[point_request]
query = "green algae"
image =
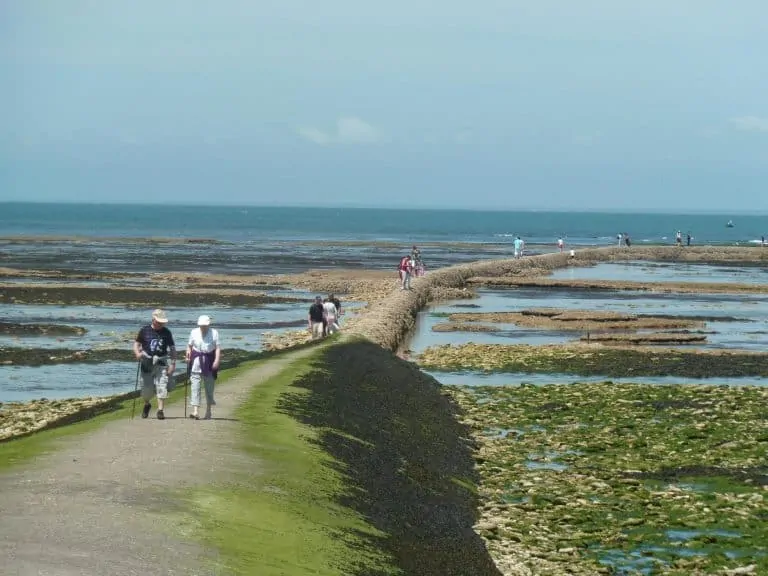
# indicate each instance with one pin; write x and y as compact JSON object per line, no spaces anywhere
{"x":650,"y":479}
{"x":585,"y":360}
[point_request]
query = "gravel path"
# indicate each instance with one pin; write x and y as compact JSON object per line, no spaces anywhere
{"x":98,"y":504}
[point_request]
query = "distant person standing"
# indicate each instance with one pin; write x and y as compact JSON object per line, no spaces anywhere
{"x":560,"y":244}
{"x":679,"y":238}
{"x":627,"y":240}
{"x":155,"y":349}
{"x":620,"y":238}
{"x":315,"y":318}
{"x":688,"y":239}
{"x":762,"y":240}
{"x":518,"y":246}
{"x":203,"y":359}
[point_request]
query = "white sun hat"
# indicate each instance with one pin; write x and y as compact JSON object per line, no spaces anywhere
{"x":204,"y":320}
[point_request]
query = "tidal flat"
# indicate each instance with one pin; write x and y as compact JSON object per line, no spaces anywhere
{"x":602,"y":478}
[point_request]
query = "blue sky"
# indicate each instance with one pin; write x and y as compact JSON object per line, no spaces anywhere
{"x":595,"y":104}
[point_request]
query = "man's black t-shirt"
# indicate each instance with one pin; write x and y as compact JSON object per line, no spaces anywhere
{"x":155,"y":342}
{"x":316,"y":312}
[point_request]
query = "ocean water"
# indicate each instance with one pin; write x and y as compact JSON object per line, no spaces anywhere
{"x":251,"y":223}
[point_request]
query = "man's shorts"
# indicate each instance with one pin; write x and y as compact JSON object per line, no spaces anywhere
{"x":155,"y":383}
{"x":317,"y":330}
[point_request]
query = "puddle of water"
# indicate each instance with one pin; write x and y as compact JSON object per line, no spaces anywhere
{"x":547,"y":460}
{"x":654,"y":272}
{"x":534,"y":465}
{"x":499,"y":433}
{"x":748,"y":332}
{"x":472,"y":378}
{"x":685,"y":535}
{"x":626,"y":563}
{"x":516,"y":499}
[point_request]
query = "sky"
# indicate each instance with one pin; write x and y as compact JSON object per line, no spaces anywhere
{"x":491,"y":104}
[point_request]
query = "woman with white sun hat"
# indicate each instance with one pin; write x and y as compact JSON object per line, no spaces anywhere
{"x":203,"y":361}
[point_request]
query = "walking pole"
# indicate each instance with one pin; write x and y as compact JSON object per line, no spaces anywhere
{"x":185,"y":390}
{"x":135,"y":389}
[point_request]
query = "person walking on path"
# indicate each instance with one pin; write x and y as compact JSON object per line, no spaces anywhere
{"x":315,"y":318}
{"x":560,"y":244}
{"x":339,"y":310}
{"x":679,"y":238}
{"x":688,"y":239}
{"x":203,"y":360}
{"x":418,"y":267}
{"x":409,"y":266}
{"x":518,"y":246}
{"x":329,"y":315}
{"x":155,"y":349}
{"x":402,"y":267}
{"x":627,"y":240}
{"x":620,"y":238}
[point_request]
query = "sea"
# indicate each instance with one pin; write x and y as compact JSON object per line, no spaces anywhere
{"x":253,"y":223}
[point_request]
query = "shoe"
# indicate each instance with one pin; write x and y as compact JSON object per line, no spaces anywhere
{"x":160,"y":415}
{"x":145,"y":411}
{"x":194,"y":417}
{"x":207,"y":414}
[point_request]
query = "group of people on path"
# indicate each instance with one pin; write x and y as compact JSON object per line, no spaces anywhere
{"x":679,"y":238}
{"x":324,"y":317}
{"x":155,"y":351}
{"x":410,"y":265}
{"x":624,"y":239}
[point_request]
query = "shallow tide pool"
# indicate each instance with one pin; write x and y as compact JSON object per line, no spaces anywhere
{"x":664,"y":272}
{"x":473,"y":378}
{"x":745,"y":324}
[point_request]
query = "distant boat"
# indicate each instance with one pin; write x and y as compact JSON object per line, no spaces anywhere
{"x":730,"y":224}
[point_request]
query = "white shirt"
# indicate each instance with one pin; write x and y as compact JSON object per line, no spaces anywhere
{"x":330,"y":309}
{"x":206,"y":344}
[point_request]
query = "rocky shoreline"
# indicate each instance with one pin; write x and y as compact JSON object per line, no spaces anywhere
{"x":19,"y":419}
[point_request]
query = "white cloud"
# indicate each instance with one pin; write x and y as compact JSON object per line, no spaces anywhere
{"x":349,"y":130}
{"x":750,"y":123}
{"x":314,"y":135}
{"x":355,"y":130}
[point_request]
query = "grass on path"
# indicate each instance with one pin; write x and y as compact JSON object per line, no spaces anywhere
{"x":282,"y":516}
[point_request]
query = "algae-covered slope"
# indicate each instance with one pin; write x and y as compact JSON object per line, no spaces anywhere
{"x":405,"y":459}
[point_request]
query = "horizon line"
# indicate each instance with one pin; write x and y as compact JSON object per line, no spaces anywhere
{"x":582,"y":210}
